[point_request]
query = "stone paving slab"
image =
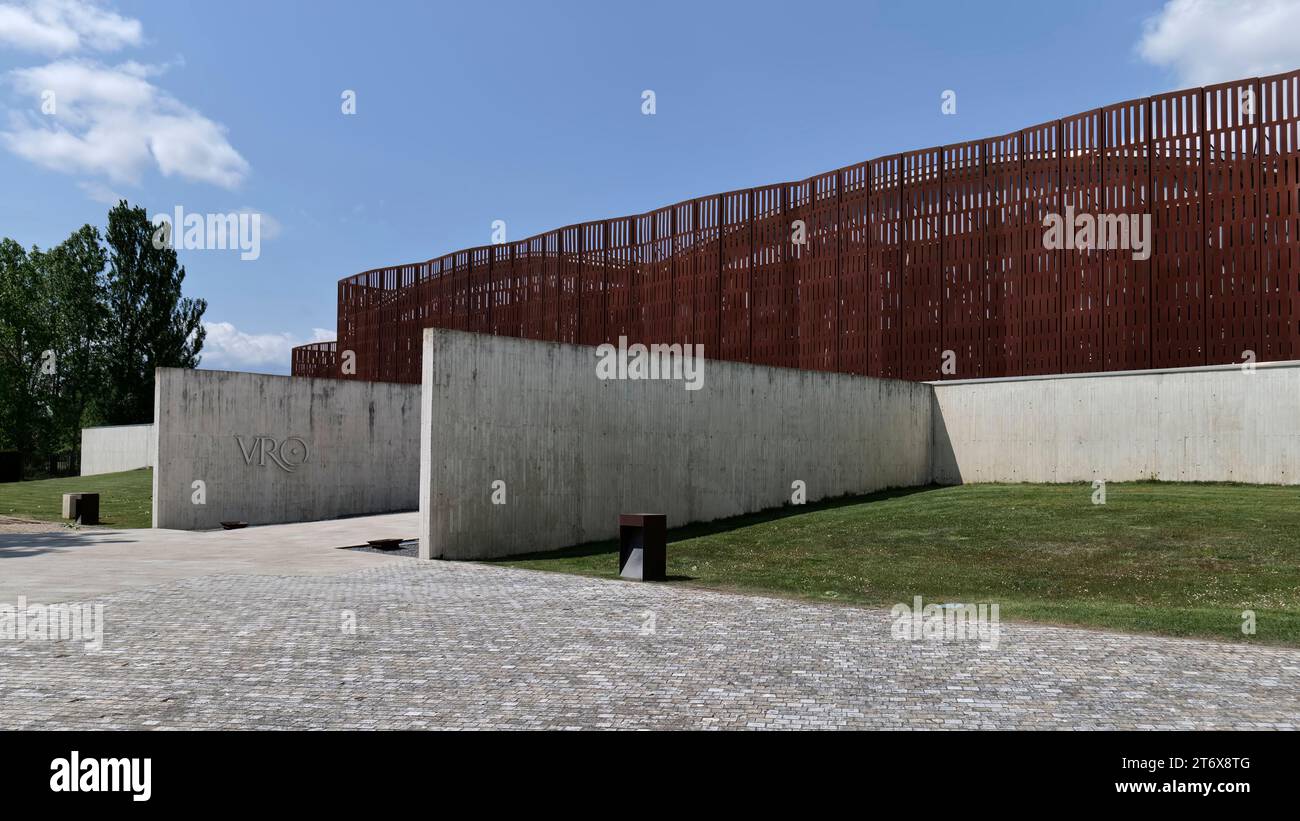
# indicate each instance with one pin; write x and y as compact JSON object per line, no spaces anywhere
{"x":67,"y":565}
{"x":467,"y":646}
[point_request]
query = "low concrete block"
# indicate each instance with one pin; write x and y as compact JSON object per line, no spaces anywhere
{"x":643,"y":546}
{"x":83,"y":507}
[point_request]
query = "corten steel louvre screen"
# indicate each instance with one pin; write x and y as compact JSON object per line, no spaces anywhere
{"x":898,"y":265}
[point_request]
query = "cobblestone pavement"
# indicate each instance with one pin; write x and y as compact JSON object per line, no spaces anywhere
{"x":455,"y":645}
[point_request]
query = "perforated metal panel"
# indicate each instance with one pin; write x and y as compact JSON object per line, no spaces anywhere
{"x":773,"y":293}
{"x":854,"y":279}
{"x":480,"y":289}
{"x":1178,"y":251}
{"x":796,"y":202}
{"x":570,"y":273}
{"x":620,"y":265}
{"x":1081,"y":288}
{"x":911,"y":255}
{"x":1231,"y":161}
{"x":506,"y":312}
{"x":458,"y":289}
{"x":1126,"y":274}
{"x":594,"y":315}
{"x":551,"y":307}
{"x":656,"y":292}
{"x":885,"y":339}
{"x":1040,"y":266}
{"x":963,"y":259}
{"x":1003,"y":229}
{"x":737,"y":242}
{"x":430,"y":296}
{"x":1279,"y":149}
{"x":682,"y":251}
{"x":920,"y":308}
{"x":817,"y":272}
{"x":316,"y":359}
{"x":708,"y":275}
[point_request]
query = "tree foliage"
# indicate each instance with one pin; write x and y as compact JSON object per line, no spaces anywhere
{"x":82,"y":326}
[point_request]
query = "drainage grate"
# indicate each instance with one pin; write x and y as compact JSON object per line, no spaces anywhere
{"x":404,"y":547}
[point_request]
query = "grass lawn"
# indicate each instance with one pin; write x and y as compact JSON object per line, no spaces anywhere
{"x":125,"y":499}
{"x":1176,"y":559}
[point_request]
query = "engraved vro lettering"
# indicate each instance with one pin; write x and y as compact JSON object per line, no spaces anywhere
{"x":288,"y":455}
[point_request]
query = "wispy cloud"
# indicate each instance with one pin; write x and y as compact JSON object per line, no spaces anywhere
{"x":228,"y":347}
{"x":111,"y":121}
{"x":1210,"y":41}
{"x":66,"y":26}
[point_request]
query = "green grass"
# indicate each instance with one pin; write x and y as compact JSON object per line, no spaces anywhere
{"x":125,"y":499}
{"x":1174,"y":559}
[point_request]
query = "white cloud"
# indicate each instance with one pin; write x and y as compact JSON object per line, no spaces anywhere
{"x":227,"y":347}
{"x":66,"y":26}
{"x":1211,"y":41}
{"x":113,"y":121}
{"x":100,"y":193}
{"x":271,"y":227}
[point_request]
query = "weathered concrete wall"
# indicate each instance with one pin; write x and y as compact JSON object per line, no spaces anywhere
{"x":115,"y":448}
{"x":281,"y":449}
{"x":1189,"y":425}
{"x":575,"y":451}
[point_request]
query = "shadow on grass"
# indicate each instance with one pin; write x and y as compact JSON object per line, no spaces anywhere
{"x":699,"y":529}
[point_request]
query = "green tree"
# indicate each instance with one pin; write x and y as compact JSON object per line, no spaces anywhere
{"x":74,"y":273}
{"x":51,"y":315}
{"x":149,"y":324}
{"x":24,"y":337}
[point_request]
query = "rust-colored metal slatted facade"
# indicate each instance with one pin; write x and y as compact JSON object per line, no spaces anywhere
{"x":922,"y":293}
{"x":592,"y":283}
{"x":318,"y":359}
{"x":903,"y":258}
{"x":817,"y":273}
{"x":886,"y":261}
{"x":458,"y":289}
{"x":1178,"y":247}
{"x":1231,"y":207}
{"x":1003,"y":218}
{"x":656,"y":298}
{"x":682,"y":252}
{"x":1279,"y":150}
{"x":772,"y":291}
{"x":707,"y":261}
{"x":1081,"y":292}
{"x":550,"y":269}
{"x":1040,"y":307}
{"x":620,"y":262}
{"x":507,"y":311}
{"x":569,"y":265}
{"x":480,"y":289}
{"x":1126,"y":279}
{"x":737,"y":230}
{"x":854,"y":264}
{"x":963,"y":259}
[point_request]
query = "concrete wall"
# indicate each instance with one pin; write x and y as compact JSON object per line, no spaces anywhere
{"x":1188,"y":425}
{"x":115,"y":448}
{"x":575,"y":451}
{"x":281,"y":449}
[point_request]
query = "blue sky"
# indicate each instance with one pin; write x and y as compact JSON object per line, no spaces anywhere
{"x":525,"y":112}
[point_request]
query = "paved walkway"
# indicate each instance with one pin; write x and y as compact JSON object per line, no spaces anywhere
{"x":68,"y":565}
{"x":395,"y":642}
